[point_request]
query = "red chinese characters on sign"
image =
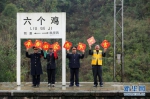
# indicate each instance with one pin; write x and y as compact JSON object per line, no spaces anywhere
{"x":105,"y":44}
{"x":81,"y":46}
{"x":91,"y":40}
{"x":67,"y":45}
{"x":28,"y":44}
{"x":56,"y":46}
{"x":38,"y":44}
{"x":46,"y":46}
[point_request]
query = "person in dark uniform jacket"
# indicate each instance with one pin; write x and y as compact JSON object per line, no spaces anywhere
{"x":51,"y":66}
{"x":96,"y":63}
{"x":36,"y":68}
{"x":74,"y":65}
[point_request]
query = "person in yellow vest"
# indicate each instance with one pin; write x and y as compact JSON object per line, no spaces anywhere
{"x":96,"y":63}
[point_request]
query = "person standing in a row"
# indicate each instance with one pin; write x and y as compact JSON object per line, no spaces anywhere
{"x":97,"y":55}
{"x":36,"y":68}
{"x":51,"y":66}
{"x":74,"y":65}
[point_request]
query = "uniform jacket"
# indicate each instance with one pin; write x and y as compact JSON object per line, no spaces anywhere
{"x":74,"y":60}
{"x":36,"y":68}
{"x":51,"y":61}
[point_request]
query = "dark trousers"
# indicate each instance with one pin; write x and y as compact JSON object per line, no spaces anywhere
{"x":97,"y":71}
{"x":36,"y":79}
{"x":74,"y":72}
{"x":51,"y":76}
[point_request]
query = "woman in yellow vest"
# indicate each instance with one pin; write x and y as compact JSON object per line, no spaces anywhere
{"x":96,"y":63}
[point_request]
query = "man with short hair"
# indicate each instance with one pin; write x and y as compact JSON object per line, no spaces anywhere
{"x":74,"y":65}
{"x":96,"y":63}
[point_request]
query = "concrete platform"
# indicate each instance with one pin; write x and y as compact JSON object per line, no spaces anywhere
{"x":85,"y":91}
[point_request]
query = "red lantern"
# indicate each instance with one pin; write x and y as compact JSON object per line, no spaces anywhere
{"x":81,"y":46}
{"x":105,"y":44}
{"x":56,"y":46}
{"x":67,"y":45}
{"x":28,"y":44}
{"x":38,"y":44}
{"x":46,"y":46}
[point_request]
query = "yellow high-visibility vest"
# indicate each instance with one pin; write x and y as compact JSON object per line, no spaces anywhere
{"x":97,"y":58}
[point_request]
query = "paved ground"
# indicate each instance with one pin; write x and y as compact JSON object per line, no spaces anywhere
{"x":86,"y":88}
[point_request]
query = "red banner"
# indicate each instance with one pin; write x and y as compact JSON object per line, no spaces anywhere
{"x":105,"y":44}
{"x":67,"y":45}
{"x":28,"y":44}
{"x":81,"y":46}
{"x":91,"y":40}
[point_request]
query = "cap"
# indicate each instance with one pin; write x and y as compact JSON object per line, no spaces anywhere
{"x":34,"y":47}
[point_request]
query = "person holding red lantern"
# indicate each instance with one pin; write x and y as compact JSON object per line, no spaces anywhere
{"x":74,"y":65}
{"x":36,"y":67}
{"x":51,"y":66}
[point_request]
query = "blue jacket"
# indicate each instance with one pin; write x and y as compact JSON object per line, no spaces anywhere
{"x":36,"y":68}
{"x":74,"y":60}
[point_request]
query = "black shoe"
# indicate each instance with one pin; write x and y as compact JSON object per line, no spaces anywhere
{"x":101,"y":85}
{"x":95,"y":86}
{"x":70,"y":85}
{"x":77,"y":85}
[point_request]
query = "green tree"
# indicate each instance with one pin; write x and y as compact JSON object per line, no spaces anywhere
{"x":10,"y":10}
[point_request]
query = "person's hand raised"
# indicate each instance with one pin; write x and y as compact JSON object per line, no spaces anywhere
{"x":105,"y":49}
